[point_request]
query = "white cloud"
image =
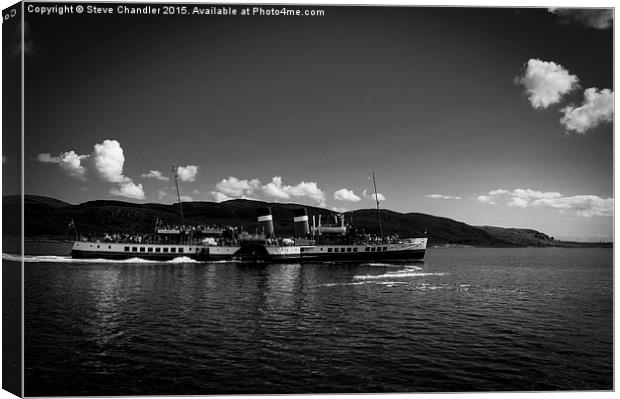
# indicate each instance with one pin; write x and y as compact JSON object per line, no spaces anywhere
{"x":186,"y":198}
{"x":546,"y":82}
{"x":129,"y":190}
{"x":155,"y":174}
{"x":518,"y":202}
{"x":233,"y":187}
{"x":220,"y":197}
{"x":161,"y":194}
{"x":69,"y":161}
{"x":339,"y":209}
{"x":583,"y":205}
{"x":486,"y":199}
{"x":442,"y":196}
{"x":601,"y":18}
{"x":109,"y":161}
{"x":499,"y":191}
{"x":187,"y":173}
{"x":597,"y":108}
{"x":346,"y":195}
{"x":276,"y":189}
{"x":371,"y":196}
{"x":46,"y":157}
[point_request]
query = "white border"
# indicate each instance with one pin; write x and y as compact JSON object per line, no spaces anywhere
{"x":480,"y":3}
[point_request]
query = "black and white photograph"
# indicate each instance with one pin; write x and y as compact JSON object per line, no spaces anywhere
{"x":306,"y":198}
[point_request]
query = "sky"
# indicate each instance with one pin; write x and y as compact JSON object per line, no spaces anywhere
{"x":490,"y":116}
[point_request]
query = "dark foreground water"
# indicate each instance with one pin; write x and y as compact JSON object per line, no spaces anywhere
{"x":465,"y":320}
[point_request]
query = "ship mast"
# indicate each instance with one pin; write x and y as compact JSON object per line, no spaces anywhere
{"x":374,"y":183}
{"x":174,"y":173}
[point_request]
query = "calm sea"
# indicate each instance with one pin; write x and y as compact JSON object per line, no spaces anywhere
{"x":464,"y":320}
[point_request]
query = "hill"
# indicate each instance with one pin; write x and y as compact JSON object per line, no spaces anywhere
{"x":48,"y":217}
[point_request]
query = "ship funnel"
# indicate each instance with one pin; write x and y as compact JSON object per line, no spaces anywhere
{"x":300,"y":219}
{"x":265,"y":221}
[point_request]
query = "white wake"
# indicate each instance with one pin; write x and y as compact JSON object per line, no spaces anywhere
{"x":68,"y":259}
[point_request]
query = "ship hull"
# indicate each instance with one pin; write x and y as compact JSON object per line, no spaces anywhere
{"x":393,"y":256}
{"x":413,"y":250}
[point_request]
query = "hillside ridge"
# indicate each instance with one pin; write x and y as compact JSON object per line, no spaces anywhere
{"x":49,"y":217}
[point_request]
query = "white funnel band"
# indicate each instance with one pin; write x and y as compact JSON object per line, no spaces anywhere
{"x":303,"y":218}
{"x":265,"y":218}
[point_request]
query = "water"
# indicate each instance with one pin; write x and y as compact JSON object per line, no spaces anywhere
{"x":465,"y":320}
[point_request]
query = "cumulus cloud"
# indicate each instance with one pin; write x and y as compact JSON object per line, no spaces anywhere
{"x":346,"y":195}
{"x":597,"y":18}
{"x":220,"y":197}
{"x":155,"y":174}
{"x":371,"y":196}
{"x":129,"y":190}
{"x":486,"y":199}
{"x":546,"y":82}
{"x":187,"y":173}
{"x":583,"y":205}
{"x":277,"y":189}
{"x":186,"y":198}
{"x":233,"y":187}
{"x":339,"y":209}
{"x":442,"y":196}
{"x":107,"y":160}
{"x":69,"y":161}
{"x":597,"y":108}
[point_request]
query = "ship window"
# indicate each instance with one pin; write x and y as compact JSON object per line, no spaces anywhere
{"x":385,"y":248}
{"x":341,"y":249}
{"x":355,"y":249}
{"x":134,"y":249}
{"x":157,"y":249}
{"x":173,"y":249}
{"x":109,"y":247}
{"x":181,"y":250}
{"x":349,"y":249}
{"x":150,"y":249}
{"x":126,"y":249}
{"x":165,"y":249}
{"x":98,"y":246}
{"x":142,"y":249}
{"x":328,"y":249}
{"x":367,"y":249}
